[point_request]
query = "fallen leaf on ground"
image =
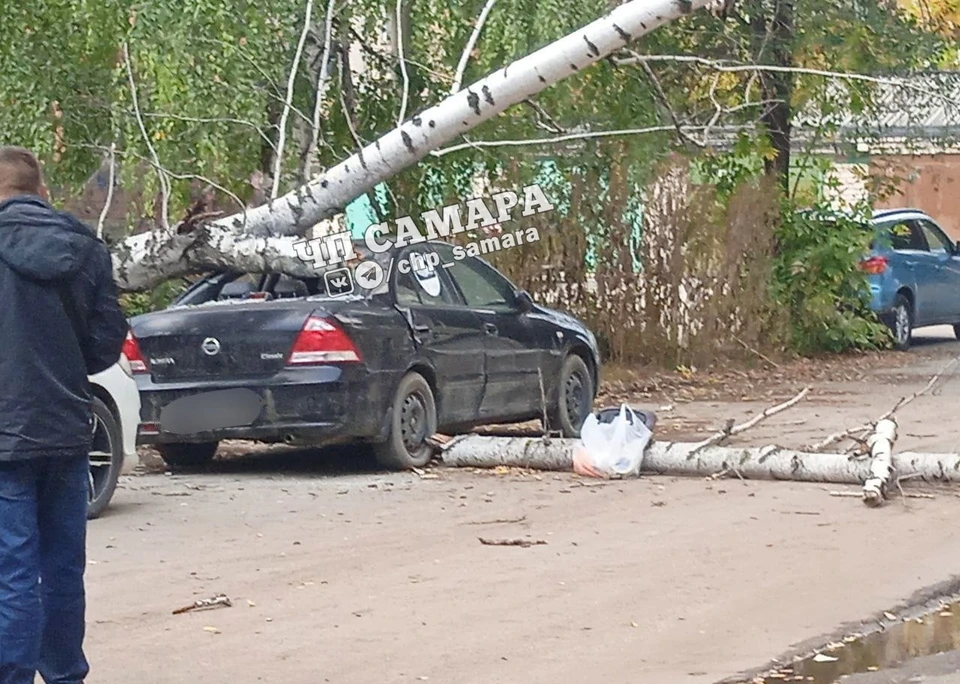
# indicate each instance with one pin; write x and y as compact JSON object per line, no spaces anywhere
{"x":212,"y":630}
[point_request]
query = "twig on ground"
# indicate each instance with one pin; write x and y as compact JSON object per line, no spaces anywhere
{"x":859,"y":433}
{"x":443,"y":442}
{"x":205,"y":604}
{"x":908,"y":495}
{"x":511,"y":542}
{"x":837,"y":436}
{"x":754,"y":351}
{"x":730,"y":430}
{"x":903,"y":496}
{"x":926,"y":388}
{"x":497,"y":521}
{"x":424,"y":475}
{"x":726,"y":471}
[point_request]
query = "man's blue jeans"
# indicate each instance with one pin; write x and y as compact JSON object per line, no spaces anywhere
{"x":43,"y":527}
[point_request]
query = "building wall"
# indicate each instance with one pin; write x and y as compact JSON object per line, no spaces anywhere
{"x":930,"y":183}
{"x":844,"y":185}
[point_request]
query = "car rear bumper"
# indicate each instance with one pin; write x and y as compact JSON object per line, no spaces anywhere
{"x":881,"y":299}
{"x":319,"y":405}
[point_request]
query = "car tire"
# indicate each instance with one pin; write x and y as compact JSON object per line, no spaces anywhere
{"x":106,"y":459}
{"x":188,"y":454}
{"x":575,"y":395}
{"x":413,"y":418}
{"x":901,"y":323}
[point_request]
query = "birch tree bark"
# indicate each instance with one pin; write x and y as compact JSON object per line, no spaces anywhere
{"x":684,"y":458}
{"x":326,"y":195}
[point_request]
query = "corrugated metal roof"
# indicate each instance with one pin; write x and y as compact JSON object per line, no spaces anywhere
{"x":921,"y":105}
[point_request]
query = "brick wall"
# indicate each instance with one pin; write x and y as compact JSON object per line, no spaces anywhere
{"x":930,"y":183}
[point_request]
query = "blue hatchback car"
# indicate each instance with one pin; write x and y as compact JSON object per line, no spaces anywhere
{"x":914,"y":273}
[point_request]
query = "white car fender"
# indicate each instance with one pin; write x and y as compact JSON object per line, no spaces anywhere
{"x":118,"y":383}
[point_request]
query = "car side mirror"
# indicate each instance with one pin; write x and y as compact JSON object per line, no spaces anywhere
{"x":524,"y":301}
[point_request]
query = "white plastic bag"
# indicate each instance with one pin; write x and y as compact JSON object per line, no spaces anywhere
{"x":614,"y":448}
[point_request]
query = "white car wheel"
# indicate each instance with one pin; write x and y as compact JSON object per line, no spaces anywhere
{"x":106,"y":459}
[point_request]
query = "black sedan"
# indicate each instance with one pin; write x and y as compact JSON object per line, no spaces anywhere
{"x":409,"y":342}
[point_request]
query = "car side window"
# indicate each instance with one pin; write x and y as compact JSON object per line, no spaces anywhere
{"x":937,"y":241}
{"x":904,"y":235}
{"x":481,"y":286}
{"x":419,"y":280}
{"x":406,"y":290}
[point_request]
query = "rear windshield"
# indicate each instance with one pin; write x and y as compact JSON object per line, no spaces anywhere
{"x":237,"y":287}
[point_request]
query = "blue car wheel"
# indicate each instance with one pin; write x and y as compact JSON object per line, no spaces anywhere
{"x":901,"y":323}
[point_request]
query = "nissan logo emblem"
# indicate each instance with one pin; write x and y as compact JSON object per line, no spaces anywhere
{"x":210,"y":346}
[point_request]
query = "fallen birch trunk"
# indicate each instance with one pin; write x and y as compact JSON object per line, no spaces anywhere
{"x":881,"y":462}
{"x":684,"y":458}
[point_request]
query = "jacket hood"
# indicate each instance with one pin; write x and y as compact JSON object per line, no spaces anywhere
{"x":39,"y":242}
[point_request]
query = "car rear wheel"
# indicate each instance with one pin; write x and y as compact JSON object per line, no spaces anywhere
{"x":575,"y":397}
{"x":188,"y":455}
{"x":901,"y":323}
{"x":413,"y":418}
{"x":106,"y":459}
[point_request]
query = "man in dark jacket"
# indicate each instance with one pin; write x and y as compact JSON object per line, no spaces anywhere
{"x":60,"y":321}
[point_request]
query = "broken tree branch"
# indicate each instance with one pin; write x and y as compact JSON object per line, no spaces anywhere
{"x":110,"y":183}
{"x":218,"y":601}
{"x":161,"y":175}
{"x":730,"y":430}
{"x":881,"y":464}
{"x":497,"y":521}
{"x":859,"y":433}
{"x":511,"y":542}
{"x":754,"y":351}
{"x":285,"y":114}
{"x":323,"y":78}
{"x":725,"y":66}
{"x":401,"y":56}
{"x":468,"y":48}
{"x":327,"y":194}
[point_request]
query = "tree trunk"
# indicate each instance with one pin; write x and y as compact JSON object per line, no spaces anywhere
{"x":777,"y":87}
{"x":680,"y":458}
{"x":326,"y":195}
{"x":141,"y":261}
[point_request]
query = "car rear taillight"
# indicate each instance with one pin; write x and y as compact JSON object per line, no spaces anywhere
{"x":321,"y":340}
{"x":131,"y":349}
{"x":874,"y":265}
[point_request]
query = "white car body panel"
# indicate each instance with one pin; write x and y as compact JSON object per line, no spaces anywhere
{"x":122,"y":388}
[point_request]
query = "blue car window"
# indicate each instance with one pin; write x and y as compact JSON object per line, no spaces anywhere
{"x":903,"y":236}
{"x":935,"y":238}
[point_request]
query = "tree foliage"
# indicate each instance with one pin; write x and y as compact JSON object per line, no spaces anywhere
{"x":191,"y":94}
